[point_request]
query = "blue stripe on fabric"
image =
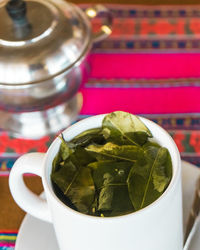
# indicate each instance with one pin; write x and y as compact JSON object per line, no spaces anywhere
{"x":7,"y":248}
{"x":94,"y":83}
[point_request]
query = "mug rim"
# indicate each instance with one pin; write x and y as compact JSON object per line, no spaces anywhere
{"x":175,"y":173}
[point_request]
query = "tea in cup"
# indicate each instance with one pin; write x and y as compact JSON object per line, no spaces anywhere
{"x":120,"y":200}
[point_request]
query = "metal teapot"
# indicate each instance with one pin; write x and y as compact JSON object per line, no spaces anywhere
{"x":43,"y":48}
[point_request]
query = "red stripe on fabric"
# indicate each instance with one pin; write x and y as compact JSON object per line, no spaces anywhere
{"x":141,"y":101}
{"x":144,"y":65}
{"x":2,"y":174}
{"x":6,"y":244}
{"x":6,"y":174}
{"x":8,"y":231}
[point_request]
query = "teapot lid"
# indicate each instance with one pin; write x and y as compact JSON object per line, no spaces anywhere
{"x":45,"y":39}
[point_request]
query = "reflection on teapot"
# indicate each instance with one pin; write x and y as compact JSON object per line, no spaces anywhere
{"x":44,"y":47}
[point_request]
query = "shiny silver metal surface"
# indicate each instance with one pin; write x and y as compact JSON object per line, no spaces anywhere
{"x":41,"y":69}
{"x":43,"y":95}
{"x":37,"y":124}
{"x":60,"y":36}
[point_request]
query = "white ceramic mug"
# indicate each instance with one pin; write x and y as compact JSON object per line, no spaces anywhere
{"x":156,"y":227}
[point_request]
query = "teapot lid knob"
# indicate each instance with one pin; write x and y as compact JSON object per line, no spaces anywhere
{"x":17,"y":11}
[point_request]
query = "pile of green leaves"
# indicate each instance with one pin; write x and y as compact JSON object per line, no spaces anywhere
{"x":113,"y":170}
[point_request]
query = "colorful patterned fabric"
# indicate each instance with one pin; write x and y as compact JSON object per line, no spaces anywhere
{"x":147,"y":67}
{"x":159,"y":28}
{"x":183,"y":128}
{"x":7,"y":240}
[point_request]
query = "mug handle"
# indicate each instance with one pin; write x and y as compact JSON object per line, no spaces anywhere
{"x":33,"y":204}
{"x":106,"y":28}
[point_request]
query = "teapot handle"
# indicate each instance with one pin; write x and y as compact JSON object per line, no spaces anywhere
{"x":106,"y":28}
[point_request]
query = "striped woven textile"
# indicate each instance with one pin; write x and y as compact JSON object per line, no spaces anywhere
{"x":149,"y":66}
{"x":7,"y":240}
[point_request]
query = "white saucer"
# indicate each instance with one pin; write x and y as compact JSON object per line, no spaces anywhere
{"x":35,"y":234}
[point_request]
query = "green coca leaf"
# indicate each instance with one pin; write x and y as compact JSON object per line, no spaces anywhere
{"x":116,"y":152}
{"x":148,"y":179}
{"x":110,"y":179}
{"x":81,"y":157}
{"x":89,"y":136}
{"x":159,"y":157}
{"x":62,"y":155}
{"x":137,"y":187}
{"x":139,"y":137}
{"x":120,"y":127}
{"x":162,"y":171}
{"x":76,"y":184}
